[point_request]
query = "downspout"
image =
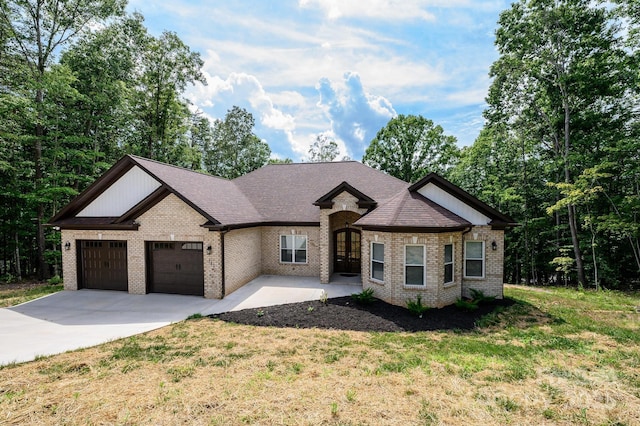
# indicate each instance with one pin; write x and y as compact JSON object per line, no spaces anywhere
{"x":222,"y":232}
{"x":463,"y":253}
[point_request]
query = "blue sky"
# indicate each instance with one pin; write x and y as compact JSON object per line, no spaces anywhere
{"x":337,"y":67}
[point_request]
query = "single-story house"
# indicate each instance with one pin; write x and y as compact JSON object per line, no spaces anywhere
{"x":145,"y":226}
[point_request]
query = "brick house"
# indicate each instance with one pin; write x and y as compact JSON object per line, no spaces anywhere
{"x":146,"y":226}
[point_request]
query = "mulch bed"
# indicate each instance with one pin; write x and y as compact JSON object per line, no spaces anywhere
{"x":343,"y":313}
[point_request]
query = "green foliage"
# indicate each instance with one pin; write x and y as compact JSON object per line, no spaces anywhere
{"x":467,"y":304}
{"x":409,"y":147}
{"x":55,"y":280}
{"x":323,"y":149}
{"x":416,"y":307}
{"x":234,"y":149}
{"x":479,"y":296}
{"x":365,"y":297}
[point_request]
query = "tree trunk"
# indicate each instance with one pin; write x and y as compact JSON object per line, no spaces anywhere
{"x":43,"y":271}
{"x":573,"y":227}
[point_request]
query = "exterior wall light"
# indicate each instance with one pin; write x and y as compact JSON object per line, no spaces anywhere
{"x":67,"y":245}
{"x":494,"y":245}
{"x":209,"y":249}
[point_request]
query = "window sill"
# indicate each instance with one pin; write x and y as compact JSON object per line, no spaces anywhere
{"x":414,"y":286}
{"x":474,"y":278}
{"x":451,"y":284}
{"x":377,"y":282}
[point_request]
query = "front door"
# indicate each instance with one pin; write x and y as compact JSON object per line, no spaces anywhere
{"x":346,"y":251}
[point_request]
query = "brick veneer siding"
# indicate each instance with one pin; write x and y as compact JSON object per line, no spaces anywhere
{"x":242,"y":257}
{"x":271,"y":264}
{"x":343,"y":202}
{"x":169,"y":220}
{"x":435,"y":293}
{"x":492,"y":283}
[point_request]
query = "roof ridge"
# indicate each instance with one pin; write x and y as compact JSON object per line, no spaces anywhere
{"x":136,"y":158}
{"x":401,"y":204}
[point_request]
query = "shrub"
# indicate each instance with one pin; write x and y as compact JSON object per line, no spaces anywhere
{"x":479,"y":297}
{"x":55,"y":280}
{"x":365,"y":297}
{"x":467,"y":304}
{"x":416,"y":307}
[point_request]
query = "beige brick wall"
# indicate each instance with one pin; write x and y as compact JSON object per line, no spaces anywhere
{"x":242,"y":256}
{"x":271,"y":264}
{"x":343,"y":203}
{"x":492,"y":283}
{"x":169,"y":220}
{"x":436,"y":293}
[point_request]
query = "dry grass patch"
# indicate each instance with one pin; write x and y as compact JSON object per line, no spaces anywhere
{"x":207,"y":372}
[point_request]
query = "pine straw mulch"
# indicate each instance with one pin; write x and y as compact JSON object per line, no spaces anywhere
{"x":343,"y":313}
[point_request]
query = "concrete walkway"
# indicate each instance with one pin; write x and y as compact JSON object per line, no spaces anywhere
{"x":70,"y":320}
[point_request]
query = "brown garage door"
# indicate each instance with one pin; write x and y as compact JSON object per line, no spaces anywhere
{"x":103,"y":265}
{"x":175,"y":267}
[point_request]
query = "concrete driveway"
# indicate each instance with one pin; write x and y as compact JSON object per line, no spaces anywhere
{"x":71,"y":320}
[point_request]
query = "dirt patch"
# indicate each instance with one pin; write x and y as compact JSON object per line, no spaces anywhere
{"x":343,"y":313}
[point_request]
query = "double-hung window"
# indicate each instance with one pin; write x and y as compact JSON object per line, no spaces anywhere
{"x":474,"y":259}
{"x":293,"y":248}
{"x":377,"y":261}
{"x":448,"y":263}
{"x":414,"y":265}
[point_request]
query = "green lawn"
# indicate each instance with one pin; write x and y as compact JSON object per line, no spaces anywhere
{"x":557,"y":356}
{"x":10,"y":297}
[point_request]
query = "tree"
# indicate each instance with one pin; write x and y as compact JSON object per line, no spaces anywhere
{"x":409,"y":147}
{"x":167,"y":66}
{"x":323,"y":149}
{"x":234,"y":149}
{"x":37,"y":29}
{"x":562,"y":79}
{"x":280,"y":161}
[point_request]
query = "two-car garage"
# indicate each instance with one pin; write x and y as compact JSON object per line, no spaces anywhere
{"x":172,"y":267}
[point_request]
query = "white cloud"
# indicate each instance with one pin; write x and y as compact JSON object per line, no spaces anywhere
{"x":356,"y":116}
{"x":380,"y":9}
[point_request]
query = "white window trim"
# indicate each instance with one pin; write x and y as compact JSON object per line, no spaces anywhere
{"x":293,"y":253}
{"x":453,"y":263}
{"x":483,"y":259}
{"x":371,"y":260}
{"x":424,"y":266}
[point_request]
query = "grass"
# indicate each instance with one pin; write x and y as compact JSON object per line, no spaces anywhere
{"x":557,"y":356}
{"x":15,"y":297}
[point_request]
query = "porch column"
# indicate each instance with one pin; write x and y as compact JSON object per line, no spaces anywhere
{"x":324,"y":246}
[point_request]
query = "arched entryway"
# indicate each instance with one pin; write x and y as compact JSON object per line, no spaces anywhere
{"x":347,"y":251}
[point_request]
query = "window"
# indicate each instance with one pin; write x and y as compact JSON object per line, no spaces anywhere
{"x":448,"y":263}
{"x":474,"y":259}
{"x":192,"y":246}
{"x":414,"y":265}
{"x":293,"y":248}
{"x":377,"y":261}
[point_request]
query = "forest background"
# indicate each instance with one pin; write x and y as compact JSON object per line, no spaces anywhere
{"x":83,"y":83}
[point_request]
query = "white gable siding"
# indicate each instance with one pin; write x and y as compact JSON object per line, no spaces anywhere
{"x":454,"y":205}
{"x":125,"y":193}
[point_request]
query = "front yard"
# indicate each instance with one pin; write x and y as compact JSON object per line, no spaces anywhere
{"x":554,"y":357}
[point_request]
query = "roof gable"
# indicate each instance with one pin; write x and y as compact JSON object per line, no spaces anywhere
{"x":459,"y":201}
{"x":411,"y":211}
{"x":326,"y":201}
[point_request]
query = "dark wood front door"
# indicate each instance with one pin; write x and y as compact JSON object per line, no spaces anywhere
{"x":176,"y":267}
{"x":346,"y":251}
{"x":103,"y":265}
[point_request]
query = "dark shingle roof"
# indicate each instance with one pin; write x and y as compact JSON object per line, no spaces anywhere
{"x":216,"y":198}
{"x":281,"y":193}
{"x":286,"y":192}
{"x":411,"y":210}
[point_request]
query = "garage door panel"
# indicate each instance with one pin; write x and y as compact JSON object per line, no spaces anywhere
{"x":103,"y":265}
{"x":176,"y":267}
